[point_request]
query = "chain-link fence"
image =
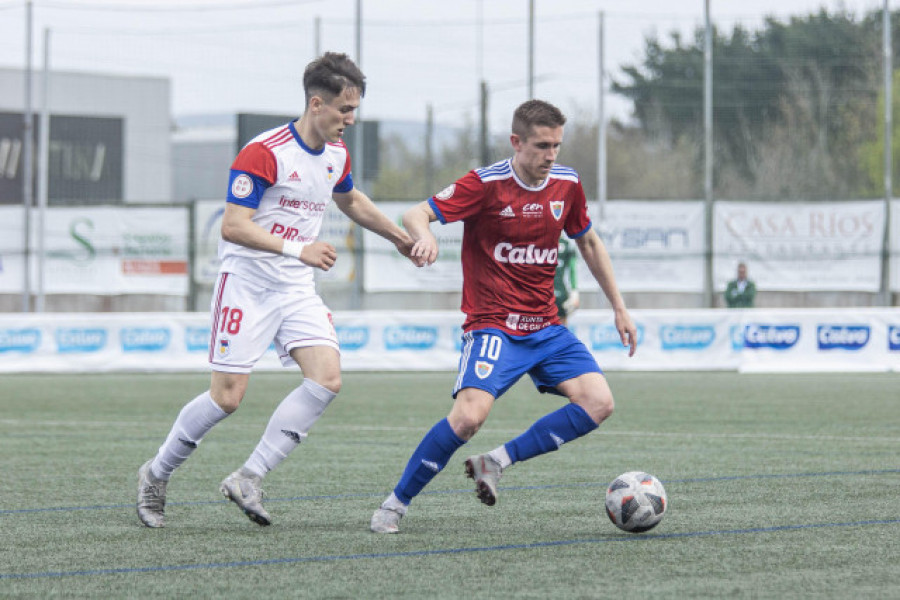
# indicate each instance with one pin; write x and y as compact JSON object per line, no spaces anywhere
{"x":145,"y":104}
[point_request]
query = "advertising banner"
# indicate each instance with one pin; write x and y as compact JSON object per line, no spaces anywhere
{"x":825,"y":246}
{"x":667,"y":339}
{"x":820,"y":340}
{"x":82,"y":342}
{"x":654,"y":246}
{"x":100,"y":250}
{"x":12,"y":248}
{"x":387,"y":271}
{"x":751,"y":340}
{"x":337,"y":229}
{"x":85,"y":159}
{"x":207,"y":234}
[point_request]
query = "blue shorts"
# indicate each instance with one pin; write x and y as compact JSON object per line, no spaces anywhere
{"x":493,"y":360}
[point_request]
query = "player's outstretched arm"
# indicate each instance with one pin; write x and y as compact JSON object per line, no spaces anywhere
{"x":363,"y":211}
{"x":238,"y":228}
{"x":417,"y":221}
{"x":597,"y":258}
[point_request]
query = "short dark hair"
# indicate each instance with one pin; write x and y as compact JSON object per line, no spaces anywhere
{"x":536,"y":113}
{"x":331,"y":74}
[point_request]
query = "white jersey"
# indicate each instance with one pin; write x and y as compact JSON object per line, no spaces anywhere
{"x":290,"y":186}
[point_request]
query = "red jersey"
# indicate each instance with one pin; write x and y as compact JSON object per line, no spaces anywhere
{"x":510,"y":243}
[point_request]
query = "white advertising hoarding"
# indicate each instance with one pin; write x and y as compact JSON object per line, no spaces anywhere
{"x":100,"y":250}
{"x":654,"y":246}
{"x":337,"y":229}
{"x":822,"y":246}
{"x":388,"y":271}
{"x":757,"y":340}
{"x":207,"y":234}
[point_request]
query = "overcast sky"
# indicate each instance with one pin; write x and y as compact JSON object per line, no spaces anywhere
{"x":226,"y":56}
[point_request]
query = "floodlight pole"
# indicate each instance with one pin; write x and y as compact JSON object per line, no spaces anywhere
{"x":479,"y":41}
{"x":530,"y":49}
{"x":27,"y":164}
{"x":601,"y":126}
{"x":708,"y":152}
{"x":429,"y":151}
{"x":317,"y":36}
{"x":484,"y":151}
{"x":888,"y":152}
{"x":359,"y":160}
{"x":43,"y":173}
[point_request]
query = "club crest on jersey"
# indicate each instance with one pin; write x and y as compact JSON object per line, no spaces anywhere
{"x":556,"y":208}
{"x":224,"y":348}
{"x":483,"y":369}
{"x":446,"y":193}
{"x":242,"y":186}
{"x":330,"y":172}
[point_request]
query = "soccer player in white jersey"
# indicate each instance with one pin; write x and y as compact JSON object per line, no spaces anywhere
{"x":281,"y":183}
{"x":514,"y":212}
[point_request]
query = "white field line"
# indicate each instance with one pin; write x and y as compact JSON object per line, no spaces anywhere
{"x":25,"y":425}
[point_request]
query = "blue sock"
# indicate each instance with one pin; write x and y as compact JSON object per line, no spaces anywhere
{"x":550,"y":432}
{"x":430,"y":457}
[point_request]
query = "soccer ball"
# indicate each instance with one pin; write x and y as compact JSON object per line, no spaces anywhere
{"x":636,"y":501}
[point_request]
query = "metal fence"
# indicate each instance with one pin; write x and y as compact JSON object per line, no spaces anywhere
{"x":666,"y":100}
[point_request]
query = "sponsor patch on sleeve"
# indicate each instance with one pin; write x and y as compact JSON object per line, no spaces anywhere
{"x":242,"y":186}
{"x":446,"y":193}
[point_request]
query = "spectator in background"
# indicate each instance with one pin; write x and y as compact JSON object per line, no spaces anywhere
{"x":740,"y":292}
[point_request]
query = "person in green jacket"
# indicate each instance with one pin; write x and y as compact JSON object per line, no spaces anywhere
{"x":565,"y":282}
{"x":740,"y":292}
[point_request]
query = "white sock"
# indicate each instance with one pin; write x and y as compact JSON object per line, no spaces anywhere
{"x":196,"y":418}
{"x":501,"y":456}
{"x":393,"y":503}
{"x":289,"y":425}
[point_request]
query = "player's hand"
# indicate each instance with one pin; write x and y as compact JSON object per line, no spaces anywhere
{"x":405,"y":247}
{"x":424,"y":251}
{"x":627,"y":330}
{"x":320,"y":255}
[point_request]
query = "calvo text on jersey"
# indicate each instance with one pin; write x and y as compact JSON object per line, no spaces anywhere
{"x":504,"y":252}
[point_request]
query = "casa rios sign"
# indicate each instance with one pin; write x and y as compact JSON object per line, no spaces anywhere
{"x":827,"y":246}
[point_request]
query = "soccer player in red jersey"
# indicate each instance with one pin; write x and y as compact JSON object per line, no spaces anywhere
{"x":514,"y":213}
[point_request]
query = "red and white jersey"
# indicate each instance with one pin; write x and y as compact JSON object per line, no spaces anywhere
{"x":511,"y":242}
{"x":290,"y":186}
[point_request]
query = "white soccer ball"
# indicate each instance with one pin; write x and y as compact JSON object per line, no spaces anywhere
{"x":636,"y":501}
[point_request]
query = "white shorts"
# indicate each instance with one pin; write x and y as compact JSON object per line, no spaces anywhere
{"x":246,"y":318}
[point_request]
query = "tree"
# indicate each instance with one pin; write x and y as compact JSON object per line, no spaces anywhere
{"x":794,"y":100}
{"x":872,"y":152}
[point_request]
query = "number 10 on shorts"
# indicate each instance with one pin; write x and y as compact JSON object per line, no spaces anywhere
{"x":490,"y":347}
